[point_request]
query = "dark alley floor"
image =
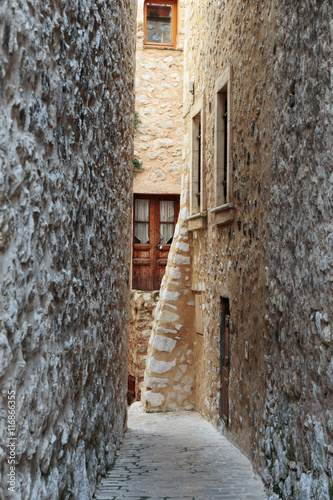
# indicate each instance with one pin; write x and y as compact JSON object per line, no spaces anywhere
{"x":175,"y":456}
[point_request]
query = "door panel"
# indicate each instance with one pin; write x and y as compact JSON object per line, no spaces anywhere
{"x":142,"y":245}
{"x":151,"y":247}
{"x":225,"y":364}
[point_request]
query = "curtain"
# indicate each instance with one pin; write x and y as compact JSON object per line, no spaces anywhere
{"x":167,"y":217}
{"x":141,"y":221}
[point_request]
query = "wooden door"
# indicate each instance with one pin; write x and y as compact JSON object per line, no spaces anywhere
{"x":143,"y":244}
{"x":155,"y":218}
{"x":225,"y":364}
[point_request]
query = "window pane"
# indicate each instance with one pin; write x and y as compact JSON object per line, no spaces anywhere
{"x":141,"y":210}
{"x":167,"y":218}
{"x":158,"y":23}
{"x":167,"y":211}
{"x":141,"y":232}
{"x":166,"y":233}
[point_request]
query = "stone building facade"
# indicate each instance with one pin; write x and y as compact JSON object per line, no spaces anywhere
{"x":66,"y":150}
{"x":159,"y":105}
{"x":143,"y":305}
{"x":159,"y":146}
{"x":251,"y":259}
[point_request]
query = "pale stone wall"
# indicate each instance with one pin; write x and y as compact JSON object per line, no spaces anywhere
{"x":159,"y":145}
{"x":66,"y":125}
{"x":170,"y":372}
{"x":143,"y":306}
{"x":159,"y":104}
{"x":273,"y":260}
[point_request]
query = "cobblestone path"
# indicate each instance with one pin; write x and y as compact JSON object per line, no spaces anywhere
{"x":176,"y":456}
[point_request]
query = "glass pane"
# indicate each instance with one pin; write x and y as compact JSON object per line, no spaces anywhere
{"x":158,"y":23}
{"x":141,"y":232}
{"x":141,"y":210}
{"x":167,"y":211}
{"x":166,"y":233}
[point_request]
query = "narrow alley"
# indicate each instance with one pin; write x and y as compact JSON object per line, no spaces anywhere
{"x":175,"y":456}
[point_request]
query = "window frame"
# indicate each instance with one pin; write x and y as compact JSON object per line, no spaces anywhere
{"x":197,"y":116}
{"x":223,"y":92}
{"x":174,"y":28}
{"x":223,"y":213}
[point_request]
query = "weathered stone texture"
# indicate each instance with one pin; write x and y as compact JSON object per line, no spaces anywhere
{"x":169,"y":381}
{"x":226,"y":261}
{"x":66,"y":122}
{"x":298,"y":248}
{"x":159,"y":104}
{"x":143,"y":305}
{"x":274,"y":260}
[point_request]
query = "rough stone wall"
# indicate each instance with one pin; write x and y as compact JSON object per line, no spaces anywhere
{"x":297,"y":442}
{"x":66,"y":125}
{"x":225,"y":261}
{"x":273,"y":261}
{"x":169,"y":382}
{"x":159,"y":104}
{"x":143,"y":306}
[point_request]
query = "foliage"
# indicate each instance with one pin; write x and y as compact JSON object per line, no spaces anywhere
{"x":137,"y":121}
{"x":137,"y":165}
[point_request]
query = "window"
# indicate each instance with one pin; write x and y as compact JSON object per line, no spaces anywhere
{"x":160,"y":23}
{"x":155,"y":218}
{"x":197,"y":177}
{"x":167,"y":221}
{"x":141,"y":232}
{"x":223,"y":192}
{"x":224,"y":210}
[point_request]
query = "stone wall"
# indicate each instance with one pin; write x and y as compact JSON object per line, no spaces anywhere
{"x":297,"y":436}
{"x":169,"y":382}
{"x":272,"y":258}
{"x":143,"y":306}
{"x":66,"y":123}
{"x":159,"y":104}
{"x":225,"y":260}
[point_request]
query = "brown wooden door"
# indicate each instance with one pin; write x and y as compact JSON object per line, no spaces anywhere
{"x":225,"y":365}
{"x":155,"y":218}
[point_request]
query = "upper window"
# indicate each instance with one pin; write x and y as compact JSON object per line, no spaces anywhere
{"x":223,"y":170}
{"x":160,"y":23}
{"x":197,"y":177}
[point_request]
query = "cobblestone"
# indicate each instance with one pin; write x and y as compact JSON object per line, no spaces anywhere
{"x":178,"y":456}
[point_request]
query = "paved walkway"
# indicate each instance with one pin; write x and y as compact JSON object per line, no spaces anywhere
{"x":176,"y":456}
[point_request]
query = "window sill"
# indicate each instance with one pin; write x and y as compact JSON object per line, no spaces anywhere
{"x":197,"y":221}
{"x":160,"y":47}
{"x":223,"y":215}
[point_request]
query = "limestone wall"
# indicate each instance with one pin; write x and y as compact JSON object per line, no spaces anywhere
{"x":170,"y":372}
{"x":226,"y":260}
{"x":66,"y":122}
{"x":159,"y":104}
{"x":143,"y":306}
{"x":272,"y":259}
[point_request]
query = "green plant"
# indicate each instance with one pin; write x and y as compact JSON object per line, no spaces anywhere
{"x":137,"y":121}
{"x":137,"y":165}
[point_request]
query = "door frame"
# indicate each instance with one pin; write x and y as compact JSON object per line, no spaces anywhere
{"x":224,"y":359}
